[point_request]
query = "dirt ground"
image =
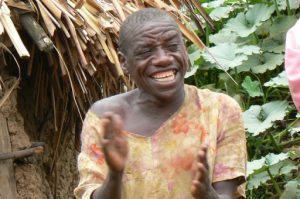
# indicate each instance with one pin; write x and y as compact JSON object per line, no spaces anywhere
{"x":33,"y":177}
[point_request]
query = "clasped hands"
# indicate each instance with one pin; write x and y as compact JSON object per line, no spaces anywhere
{"x":115,"y":149}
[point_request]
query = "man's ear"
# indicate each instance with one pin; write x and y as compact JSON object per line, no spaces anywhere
{"x":123,"y":62}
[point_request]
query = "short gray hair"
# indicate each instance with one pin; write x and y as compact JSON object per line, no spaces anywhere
{"x":139,"y":18}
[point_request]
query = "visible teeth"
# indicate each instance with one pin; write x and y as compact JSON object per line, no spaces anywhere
{"x":169,"y":78}
{"x":164,"y":76}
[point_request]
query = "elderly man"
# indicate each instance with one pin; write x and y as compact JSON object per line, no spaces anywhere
{"x":164,"y":139}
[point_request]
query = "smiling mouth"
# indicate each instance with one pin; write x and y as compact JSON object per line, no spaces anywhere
{"x":164,"y":76}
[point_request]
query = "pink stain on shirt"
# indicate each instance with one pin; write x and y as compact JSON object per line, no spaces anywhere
{"x":220,"y":169}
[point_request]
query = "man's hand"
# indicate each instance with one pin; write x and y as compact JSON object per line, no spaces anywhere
{"x":201,"y":186}
{"x":114,"y":144}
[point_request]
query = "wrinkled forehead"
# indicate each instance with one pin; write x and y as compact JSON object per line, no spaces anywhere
{"x":152,"y":29}
{"x":155,"y":28}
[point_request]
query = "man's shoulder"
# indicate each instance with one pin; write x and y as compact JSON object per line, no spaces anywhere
{"x":213,"y":97}
{"x":115,"y":104}
{"x":205,"y":92}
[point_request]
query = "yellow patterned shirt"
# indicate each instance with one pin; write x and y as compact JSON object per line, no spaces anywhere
{"x":162,"y":166}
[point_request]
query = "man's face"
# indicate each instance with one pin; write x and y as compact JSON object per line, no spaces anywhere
{"x":156,"y":59}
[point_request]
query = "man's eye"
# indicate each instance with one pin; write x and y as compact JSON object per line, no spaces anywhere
{"x":173,"y":47}
{"x":144,"y":52}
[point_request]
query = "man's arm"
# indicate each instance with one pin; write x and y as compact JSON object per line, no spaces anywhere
{"x":226,"y":189}
{"x":111,"y":188}
{"x":202,"y":187}
{"x":115,"y":149}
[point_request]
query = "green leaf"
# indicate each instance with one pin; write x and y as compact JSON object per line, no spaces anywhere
{"x":280,"y":81}
{"x":259,"y":13}
{"x":271,"y":44}
{"x":213,"y":4}
{"x":248,"y":49}
{"x":294,"y":131}
{"x":269,"y":61}
{"x":192,"y":70}
{"x":259,"y":165}
{"x":252,"y":87}
{"x":292,"y":190}
{"x":223,"y":36}
{"x":194,"y":56}
{"x":294,"y":4}
{"x":261,"y":63}
{"x":239,"y":25}
{"x":257,"y":118}
{"x":281,"y":25}
{"x":195,"y":60}
{"x":255,"y":165}
{"x":245,"y":24}
{"x":221,"y":13}
{"x":264,"y":30}
{"x":229,"y":55}
{"x":281,"y":168}
{"x":272,"y":158}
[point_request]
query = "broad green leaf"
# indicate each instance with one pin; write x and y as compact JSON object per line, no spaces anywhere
{"x":271,"y":44}
{"x":195,"y":59}
{"x":259,"y":165}
{"x":281,"y":25}
{"x":213,"y":4}
{"x":281,"y":168}
{"x":248,"y":49}
{"x":269,"y":61}
{"x":245,"y":24}
{"x":279,"y":81}
{"x":192,"y":70}
{"x":294,"y":4}
{"x":223,"y":36}
{"x":294,"y":131}
{"x":257,"y":118}
{"x":229,"y":55}
{"x":261,"y":63}
{"x":256,"y":180}
{"x":255,"y":165}
{"x":194,"y":56}
{"x":292,"y":190}
{"x":259,"y":13}
{"x":252,"y":87}
{"x":192,"y":48}
{"x":240,"y":25}
{"x":227,"y":84}
{"x":272,"y":158}
{"x":221,"y":13}
{"x":264,"y":30}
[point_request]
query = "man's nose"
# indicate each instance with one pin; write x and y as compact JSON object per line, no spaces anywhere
{"x":162,"y":58}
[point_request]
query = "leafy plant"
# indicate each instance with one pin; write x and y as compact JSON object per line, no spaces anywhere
{"x":249,"y":46}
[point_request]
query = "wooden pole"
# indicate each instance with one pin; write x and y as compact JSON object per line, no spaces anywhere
{"x":36,"y":32}
{"x":7,"y":178}
{"x":21,"y":153}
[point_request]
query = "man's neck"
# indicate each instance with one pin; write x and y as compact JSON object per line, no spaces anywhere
{"x":152,"y":105}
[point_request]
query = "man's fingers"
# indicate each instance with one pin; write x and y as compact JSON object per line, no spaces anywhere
{"x":106,"y":127}
{"x":117,"y":123}
{"x":112,"y":125}
{"x":202,"y":156}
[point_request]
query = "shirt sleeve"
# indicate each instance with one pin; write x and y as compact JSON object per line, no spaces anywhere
{"x":292,"y":62}
{"x":91,"y":162}
{"x":231,"y":151}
